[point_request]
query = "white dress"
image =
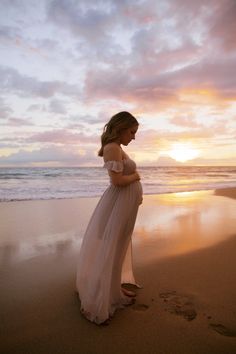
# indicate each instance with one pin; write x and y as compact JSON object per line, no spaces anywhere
{"x":105,"y":259}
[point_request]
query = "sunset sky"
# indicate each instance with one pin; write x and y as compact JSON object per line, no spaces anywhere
{"x":66,"y":66}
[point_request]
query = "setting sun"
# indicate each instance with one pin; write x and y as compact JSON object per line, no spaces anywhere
{"x":183,"y":152}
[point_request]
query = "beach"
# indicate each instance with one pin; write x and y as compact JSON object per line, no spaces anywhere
{"x":184,"y":258}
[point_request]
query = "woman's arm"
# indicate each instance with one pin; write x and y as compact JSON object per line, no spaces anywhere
{"x":120,"y":180}
{"x":112,"y":152}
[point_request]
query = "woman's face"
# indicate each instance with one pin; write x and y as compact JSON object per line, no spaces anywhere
{"x":128,"y":134}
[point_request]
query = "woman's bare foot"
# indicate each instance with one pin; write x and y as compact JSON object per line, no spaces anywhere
{"x":128,"y":292}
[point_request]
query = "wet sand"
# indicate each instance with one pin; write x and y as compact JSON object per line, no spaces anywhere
{"x":184,"y":257}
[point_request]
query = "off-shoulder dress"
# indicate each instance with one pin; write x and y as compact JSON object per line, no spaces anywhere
{"x":105,"y":259}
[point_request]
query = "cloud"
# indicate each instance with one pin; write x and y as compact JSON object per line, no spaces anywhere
{"x":84,"y":19}
{"x":166,"y":58}
{"x":153,"y":142}
{"x":185,"y":122}
{"x":36,"y":107}
{"x":197,"y":134}
{"x":86,"y":119}
{"x":210,"y":73}
{"x":9,"y":33}
{"x":92,"y":25}
{"x":102,"y":29}
{"x":95,"y":19}
{"x":212,"y":162}
{"x":167,"y":161}
{"x":62,"y":136}
{"x":155,"y":89}
{"x":14,"y":82}
{"x":73,"y":64}
{"x":53,"y":154}
{"x":19,"y":122}
{"x":5,"y":110}
{"x":223,"y":25}
{"x":57,"y":106}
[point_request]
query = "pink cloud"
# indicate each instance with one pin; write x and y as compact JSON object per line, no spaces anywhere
{"x":223,"y":25}
{"x":54,"y":154}
{"x":22,"y":85}
{"x":185,"y":121}
{"x":62,"y":137}
{"x":18,"y":122}
{"x":154,"y":90}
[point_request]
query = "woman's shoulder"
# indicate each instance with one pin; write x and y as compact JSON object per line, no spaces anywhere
{"x":112,"y":151}
{"x":112,"y":147}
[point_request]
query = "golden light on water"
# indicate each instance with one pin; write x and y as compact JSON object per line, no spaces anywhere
{"x":183,"y":152}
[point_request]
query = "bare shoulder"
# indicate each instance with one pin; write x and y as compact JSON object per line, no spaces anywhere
{"x":112,"y":151}
{"x":111,"y":147}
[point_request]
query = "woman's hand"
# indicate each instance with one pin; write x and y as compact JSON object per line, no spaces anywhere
{"x":118,"y":179}
{"x":137,"y":175}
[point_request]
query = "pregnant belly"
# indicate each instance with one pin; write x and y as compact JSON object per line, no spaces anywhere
{"x":138,"y":191}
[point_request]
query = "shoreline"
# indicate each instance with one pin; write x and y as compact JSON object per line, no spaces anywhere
{"x":184,"y":257}
{"x":226,"y":191}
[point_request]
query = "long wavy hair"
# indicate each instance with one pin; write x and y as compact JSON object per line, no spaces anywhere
{"x":113,"y":129}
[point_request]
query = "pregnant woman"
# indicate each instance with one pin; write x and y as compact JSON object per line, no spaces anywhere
{"x":105,"y":259}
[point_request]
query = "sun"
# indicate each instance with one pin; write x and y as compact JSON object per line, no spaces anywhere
{"x":183,"y":152}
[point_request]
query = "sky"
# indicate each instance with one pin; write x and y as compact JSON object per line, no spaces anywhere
{"x":67,"y":66}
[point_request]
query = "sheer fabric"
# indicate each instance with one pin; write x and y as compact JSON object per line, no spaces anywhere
{"x":105,"y":259}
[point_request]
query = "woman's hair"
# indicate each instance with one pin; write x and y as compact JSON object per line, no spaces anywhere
{"x":113,"y":129}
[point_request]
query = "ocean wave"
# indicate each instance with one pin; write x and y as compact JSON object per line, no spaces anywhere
{"x":61,"y":183}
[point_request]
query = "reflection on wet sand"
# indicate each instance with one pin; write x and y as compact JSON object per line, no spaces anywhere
{"x":11,"y":254}
{"x":170,"y":224}
{"x":167,"y":224}
{"x":36,"y":228}
{"x":39,"y":247}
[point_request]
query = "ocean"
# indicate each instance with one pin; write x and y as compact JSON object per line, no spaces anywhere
{"x":34,"y":183}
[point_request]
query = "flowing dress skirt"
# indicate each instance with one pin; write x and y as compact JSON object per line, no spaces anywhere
{"x":105,"y":250}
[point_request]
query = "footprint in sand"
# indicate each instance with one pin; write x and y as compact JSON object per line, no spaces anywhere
{"x":140,"y":307}
{"x":221,"y":329}
{"x":179,"y":304}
